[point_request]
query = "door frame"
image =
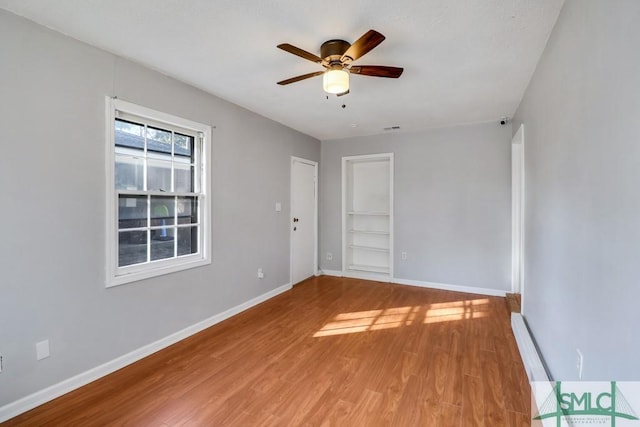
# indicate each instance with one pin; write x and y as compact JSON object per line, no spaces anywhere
{"x":295,"y":159}
{"x":517,"y":213}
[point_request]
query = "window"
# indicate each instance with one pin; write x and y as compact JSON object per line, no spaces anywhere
{"x":158,"y":206}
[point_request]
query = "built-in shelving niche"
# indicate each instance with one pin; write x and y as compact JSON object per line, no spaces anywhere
{"x":367,"y":216}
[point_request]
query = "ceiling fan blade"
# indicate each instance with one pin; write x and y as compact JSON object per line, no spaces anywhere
{"x":377,"y":71}
{"x":298,"y":78}
{"x":362,"y":46}
{"x":300,"y":52}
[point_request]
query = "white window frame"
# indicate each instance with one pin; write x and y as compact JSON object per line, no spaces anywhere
{"x":121,"y":275}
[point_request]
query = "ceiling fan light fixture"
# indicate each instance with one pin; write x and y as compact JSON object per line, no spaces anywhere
{"x":337,"y":57}
{"x":335,"y":81}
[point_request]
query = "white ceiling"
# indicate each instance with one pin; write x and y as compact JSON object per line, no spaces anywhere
{"x":464,"y":61}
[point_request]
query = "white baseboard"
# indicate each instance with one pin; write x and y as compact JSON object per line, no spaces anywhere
{"x":446,"y":287}
{"x":433,"y":285}
{"x":26,"y":403}
{"x":335,"y":273}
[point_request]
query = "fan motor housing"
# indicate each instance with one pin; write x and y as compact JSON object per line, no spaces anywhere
{"x":332,"y":50}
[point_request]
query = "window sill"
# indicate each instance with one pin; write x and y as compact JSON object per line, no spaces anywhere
{"x":134,"y":276}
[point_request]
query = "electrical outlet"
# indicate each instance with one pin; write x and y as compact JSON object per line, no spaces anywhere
{"x":403,"y":255}
{"x":579,"y":363}
{"x":329,"y":256}
{"x":260,"y":273}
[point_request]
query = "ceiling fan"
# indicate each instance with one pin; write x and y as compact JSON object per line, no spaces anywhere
{"x":336,"y":57}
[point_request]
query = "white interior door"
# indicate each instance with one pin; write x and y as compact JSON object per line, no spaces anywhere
{"x":303,"y":219}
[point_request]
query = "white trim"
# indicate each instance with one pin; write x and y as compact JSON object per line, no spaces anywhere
{"x":343,"y":209}
{"x":530,"y":358}
{"x":364,"y":157}
{"x":391,"y":215}
{"x":431,"y":285}
{"x":516,"y":225}
{"x":110,"y":231}
{"x":157,"y":116}
{"x":316,"y":268}
{"x":386,"y":277}
{"x":334,"y":273}
{"x":180,"y":265}
{"x":447,"y":287}
{"x":117,"y":276}
{"x":366,"y":275}
{"x":517,"y":213}
{"x":26,"y":403}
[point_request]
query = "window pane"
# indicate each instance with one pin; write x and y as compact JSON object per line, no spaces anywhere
{"x":156,"y":155}
{"x":187,"y":240}
{"x":158,"y":175}
{"x":129,"y":134}
{"x":184,"y":176}
{"x":162,"y":211}
{"x":158,"y":140}
{"x":132,"y":247}
{"x":129,"y":173}
{"x":187,"y":210}
{"x":157,"y":184}
{"x":183,"y":145}
{"x":132,"y":152}
{"x":162,"y":243}
{"x":132,"y":212}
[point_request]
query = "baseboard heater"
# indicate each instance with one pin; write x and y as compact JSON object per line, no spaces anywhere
{"x":538,"y":377}
{"x":528,"y":351}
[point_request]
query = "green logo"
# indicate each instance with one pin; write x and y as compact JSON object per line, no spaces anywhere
{"x":586,"y":406}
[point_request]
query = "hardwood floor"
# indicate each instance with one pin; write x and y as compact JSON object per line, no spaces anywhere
{"x":331,"y":351}
{"x":514,"y":302}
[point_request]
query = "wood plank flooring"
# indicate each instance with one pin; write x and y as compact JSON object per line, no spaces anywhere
{"x":514,"y":301}
{"x":330,"y":352}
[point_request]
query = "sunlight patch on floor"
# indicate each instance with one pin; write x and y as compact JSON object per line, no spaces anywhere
{"x":458,"y":310}
{"x":396,"y":317}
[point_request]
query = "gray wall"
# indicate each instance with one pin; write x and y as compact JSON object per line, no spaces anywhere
{"x":52,"y":171}
{"x":581,"y":114}
{"x":452,"y":203}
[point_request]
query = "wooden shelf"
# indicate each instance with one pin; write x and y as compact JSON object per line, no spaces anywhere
{"x":368,"y":213}
{"x":381,"y":233}
{"x":369,"y":248}
{"x":369,"y":268}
